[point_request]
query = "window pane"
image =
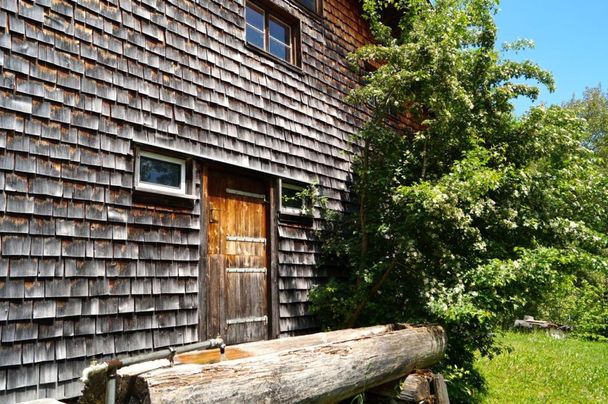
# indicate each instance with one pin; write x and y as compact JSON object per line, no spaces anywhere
{"x":309,"y":4}
{"x":255,"y":18}
{"x":279,"y":31}
{"x":279,"y":50}
{"x":291,"y":199}
{"x":160,"y":172}
{"x":255,"y":37}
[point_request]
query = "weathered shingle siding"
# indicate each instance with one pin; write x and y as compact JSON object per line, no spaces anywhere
{"x":85,"y":270}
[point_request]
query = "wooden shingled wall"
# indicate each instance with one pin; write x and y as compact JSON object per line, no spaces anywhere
{"x":85,"y":270}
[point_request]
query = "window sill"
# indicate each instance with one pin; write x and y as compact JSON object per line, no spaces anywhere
{"x":148,"y":196}
{"x":295,"y":68}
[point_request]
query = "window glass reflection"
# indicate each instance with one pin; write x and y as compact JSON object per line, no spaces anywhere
{"x":279,"y":49}
{"x":255,"y":18}
{"x":309,"y":4}
{"x":255,"y":37}
{"x":279,"y":31}
{"x":160,"y":172}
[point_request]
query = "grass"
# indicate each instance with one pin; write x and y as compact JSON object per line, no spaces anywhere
{"x":541,"y":369}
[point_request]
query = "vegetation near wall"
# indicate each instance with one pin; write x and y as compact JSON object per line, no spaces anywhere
{"x":478,"y":217}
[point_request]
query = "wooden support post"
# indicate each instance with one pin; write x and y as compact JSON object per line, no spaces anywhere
{"x":441,"y":390}
{"x":415,"y":388}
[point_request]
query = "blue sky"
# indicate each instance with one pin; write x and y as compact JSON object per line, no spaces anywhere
{"x":571,"y":39}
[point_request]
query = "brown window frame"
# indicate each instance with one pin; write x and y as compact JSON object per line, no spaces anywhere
{"x":318,"y":6}
{"x":271,"y":12}
{"x":304,"y":207}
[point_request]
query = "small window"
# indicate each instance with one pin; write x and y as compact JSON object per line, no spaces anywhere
{"x":294,"y":199}
{"x":312,"y":5}
{"x":156,"y":172}
{"x":267,"y":31}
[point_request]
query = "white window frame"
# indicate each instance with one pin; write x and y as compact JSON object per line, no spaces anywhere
{"x":270,"y":38}
{"x":288,"y":209}
{"x":264,"y":33}
{"x":166,"y":189}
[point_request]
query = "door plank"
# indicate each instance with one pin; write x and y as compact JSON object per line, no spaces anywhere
{"x":203,"y":279}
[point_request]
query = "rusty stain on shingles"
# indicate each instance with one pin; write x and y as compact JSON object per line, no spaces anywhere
{"x":212,"y":88}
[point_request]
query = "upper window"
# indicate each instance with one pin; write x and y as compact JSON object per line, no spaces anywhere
{"x":268,"y":32}
{"x":155,"y":172}
{"x":294,"y":199}
{"x":312,"y":5}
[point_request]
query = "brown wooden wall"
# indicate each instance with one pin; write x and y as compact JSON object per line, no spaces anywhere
{"x":86,"y":271}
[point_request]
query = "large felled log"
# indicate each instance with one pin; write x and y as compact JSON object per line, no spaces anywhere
{"x":530,"y":323}
{"x":321,"y":367}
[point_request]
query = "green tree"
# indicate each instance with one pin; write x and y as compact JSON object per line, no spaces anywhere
{"x":583,"y":300}
{"x":593,"y":107}
{"x":478,"y":215}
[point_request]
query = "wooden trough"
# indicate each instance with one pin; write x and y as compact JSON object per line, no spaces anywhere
{"x":323,"y":367}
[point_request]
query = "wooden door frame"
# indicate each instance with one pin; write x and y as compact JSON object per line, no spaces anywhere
{"x":272,"y":253}
{"x":273,"y":283}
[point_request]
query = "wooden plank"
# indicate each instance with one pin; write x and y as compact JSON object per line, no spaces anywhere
{"x":213,"y":250}
{"x":203,"y":276}
{"x":220,"y":264}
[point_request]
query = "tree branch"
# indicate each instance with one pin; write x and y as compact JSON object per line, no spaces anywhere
{"x":352,"y":320}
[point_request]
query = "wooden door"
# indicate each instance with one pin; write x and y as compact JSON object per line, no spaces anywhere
{"x":237,"y":301}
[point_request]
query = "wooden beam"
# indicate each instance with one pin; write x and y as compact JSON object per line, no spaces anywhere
{"x":203,"y":278}
{"x":441,"y":390}
{"x":273,"y":285}
{"x":320,"y":367}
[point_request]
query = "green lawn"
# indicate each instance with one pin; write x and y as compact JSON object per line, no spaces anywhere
{"x":542,"y":369}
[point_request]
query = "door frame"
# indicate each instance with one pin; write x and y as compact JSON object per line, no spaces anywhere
{"x":272,"y":252}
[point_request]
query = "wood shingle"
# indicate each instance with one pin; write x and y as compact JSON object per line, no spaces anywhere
{"x":88,"y":268}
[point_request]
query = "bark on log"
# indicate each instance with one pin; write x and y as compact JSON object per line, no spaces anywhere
{"x":415,"y":388}
{"x":324,"y":367}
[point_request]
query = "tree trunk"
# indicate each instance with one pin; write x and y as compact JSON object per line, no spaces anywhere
{"x":370,"y":295}
{"x":324,"y":367}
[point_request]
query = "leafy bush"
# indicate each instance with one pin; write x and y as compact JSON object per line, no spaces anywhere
{"x":477,"y":216}
{"x":582,"y":303}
